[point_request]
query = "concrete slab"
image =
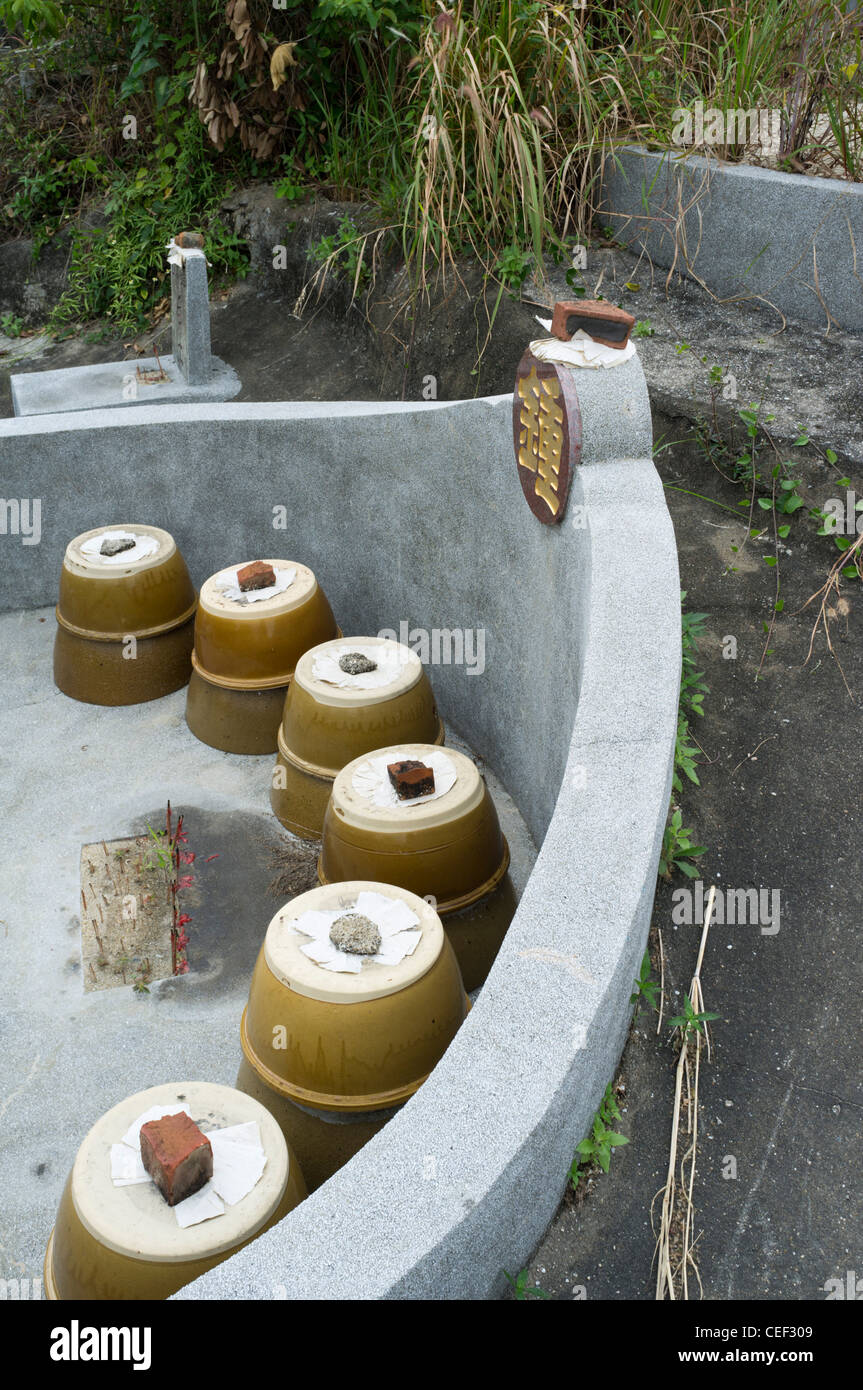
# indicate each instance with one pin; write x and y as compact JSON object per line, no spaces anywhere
{"x":100,"y":385}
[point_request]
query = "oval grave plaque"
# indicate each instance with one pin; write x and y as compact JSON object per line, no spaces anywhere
{"x":546,"y":431}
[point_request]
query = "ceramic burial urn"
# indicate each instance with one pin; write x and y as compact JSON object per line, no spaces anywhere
{"x":247,"y":645}
{"x":347,"y":697}
{"x":126,"y":1242}
{"x":445,"y":844}
{"x":355,"y":997}
{"x":125,"y":616}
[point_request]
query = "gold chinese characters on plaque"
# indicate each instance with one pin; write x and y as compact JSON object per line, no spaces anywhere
{"x":546,"y":427}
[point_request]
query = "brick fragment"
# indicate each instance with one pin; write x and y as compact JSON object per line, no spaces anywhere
{"x":410,"y":779}
{"x":257,"y":575}
{"x":605,"y":323}
{"x":177,"y":1155}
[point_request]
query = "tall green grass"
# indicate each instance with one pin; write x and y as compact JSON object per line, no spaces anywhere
{"x":478,"y":130}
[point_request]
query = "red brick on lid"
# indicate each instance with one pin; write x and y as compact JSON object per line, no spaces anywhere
{"x":411,"y":779}
{"x":257,"y":575}
{"x":177,"y":1155}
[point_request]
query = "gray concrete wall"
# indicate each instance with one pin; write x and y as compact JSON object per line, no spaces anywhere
{"x":744,"y":231}
{"x":415,"y":513}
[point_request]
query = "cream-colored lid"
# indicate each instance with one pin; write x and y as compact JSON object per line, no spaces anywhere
{"x":105,"y":567}
{"x":136,"y":1220}
{"x":358,"y":809}
{"x":285,"y":957}
{"x":214,"y":600}
{"x":405,"y":665}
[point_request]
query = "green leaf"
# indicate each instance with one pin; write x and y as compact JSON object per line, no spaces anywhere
{"x":770,"y":560}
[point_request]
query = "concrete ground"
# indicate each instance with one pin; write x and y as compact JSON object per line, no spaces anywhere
{"x":779,"y":807}
{"x":71,"y":774}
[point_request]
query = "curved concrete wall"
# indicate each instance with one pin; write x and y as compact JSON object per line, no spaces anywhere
{"x":414,"y":514}
{"x":790,"y":240}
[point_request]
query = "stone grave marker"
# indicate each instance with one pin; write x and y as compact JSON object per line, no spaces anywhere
{"x":189,"y":373}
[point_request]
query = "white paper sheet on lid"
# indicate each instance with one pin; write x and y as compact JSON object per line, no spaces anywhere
{"x":203,"y":1205}
{"x":126,"y":1166}
{"x":391,"y":660}
{"x":580,"y":351}
{"x":238,"y":1163}
{"x":238,"y":1160}
{"x":398,"y":925}
{"x":372,"y":781}
{"x":144,"y":546}
{"x":231,"y":587}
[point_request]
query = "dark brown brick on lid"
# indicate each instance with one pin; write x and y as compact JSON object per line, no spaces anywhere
{"x":177,"y":1155}
{"x":410,"y":779}
{"x":603,"y":322}
{"x":257,"y":575}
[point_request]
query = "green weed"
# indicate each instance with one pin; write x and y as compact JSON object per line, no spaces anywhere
{"x":602,"y":1139}
{"x":522,"y":1290}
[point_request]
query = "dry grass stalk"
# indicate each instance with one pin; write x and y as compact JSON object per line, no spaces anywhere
{"x":675,"y":1245}
{"x":829,"y":589}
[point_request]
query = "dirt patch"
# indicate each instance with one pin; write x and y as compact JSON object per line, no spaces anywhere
{"x":294,"y":865}
{"x":125,"y":915}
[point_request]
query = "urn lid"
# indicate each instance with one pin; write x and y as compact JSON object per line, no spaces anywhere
{"x":319,"y":673}
{"x":89,"y":553}
{"x":363,"y":796}
{"x":135,"y":1220}
{"x":414,"y":934}
{"x":215,"y":592}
